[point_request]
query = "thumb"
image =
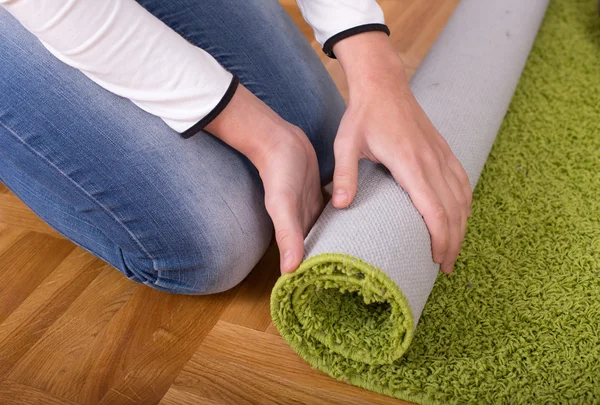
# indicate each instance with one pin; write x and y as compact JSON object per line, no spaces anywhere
{"x":288,"y":234}
{"x":345,"y":175}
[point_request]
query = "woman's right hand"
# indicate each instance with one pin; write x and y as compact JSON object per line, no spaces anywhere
{"x":286,"y":162}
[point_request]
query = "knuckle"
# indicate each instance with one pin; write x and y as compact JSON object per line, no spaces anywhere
{"x":413,"y":167}
{"x":342,"y":144}
{"x":430,"y":157}
{"x":462,"y":200}
{"x":280,"y":195}
{"x":439,"y":213}
{"x":409,"y":157}
{"x":455,"y":216}
{"x":296,"y":129}
{"x":469,"y":197}
{"x":271,"y":203}
{"x":343,"y":172}
{"x":454,"y":213}
{"x":283,"y":235}
{"x":441,"y":245}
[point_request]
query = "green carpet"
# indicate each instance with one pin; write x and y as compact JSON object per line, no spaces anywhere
{"x":519,"y":320}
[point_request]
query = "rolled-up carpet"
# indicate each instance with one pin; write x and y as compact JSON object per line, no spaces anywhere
{"x":352,"y":307}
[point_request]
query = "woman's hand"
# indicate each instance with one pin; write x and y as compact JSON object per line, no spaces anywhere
{"x":286,"y":162}
{"x":385,"y":124}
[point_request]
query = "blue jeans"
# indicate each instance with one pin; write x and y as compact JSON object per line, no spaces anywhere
{"x":181,"y":215}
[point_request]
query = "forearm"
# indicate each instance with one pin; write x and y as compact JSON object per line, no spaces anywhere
{"x":248,"y":125}
{"x":125,"y":49}
{"x":370,"y":63}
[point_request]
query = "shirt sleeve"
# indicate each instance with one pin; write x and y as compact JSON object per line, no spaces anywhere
{"x":125,"y":49}
{"x":334,"y":20}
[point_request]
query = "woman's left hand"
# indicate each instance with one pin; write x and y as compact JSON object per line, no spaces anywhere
{"x":385,"y":124}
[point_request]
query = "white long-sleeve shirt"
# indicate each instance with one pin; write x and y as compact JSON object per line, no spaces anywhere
{"x":125,"y":49}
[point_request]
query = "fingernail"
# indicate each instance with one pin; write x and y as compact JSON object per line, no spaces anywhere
{"x":340,"y":197}
{"x":288,"y":259}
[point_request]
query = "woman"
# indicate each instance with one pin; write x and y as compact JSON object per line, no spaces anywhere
{"x":170,"y":138}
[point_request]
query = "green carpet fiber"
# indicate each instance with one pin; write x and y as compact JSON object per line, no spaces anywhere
{"x":519,"y":319}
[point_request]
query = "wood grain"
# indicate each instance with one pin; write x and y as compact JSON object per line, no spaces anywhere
{"x":25,"y":264}
{"x":121,"y":342}
{"x":13,"y":393}
{"x":250,"y":307}
{"x":270,"y":361}
{"x":9,"y":235}
{"x":73,"y":330}
{"x":14,"y":212}
{"x":54,"y":363}
{"x":177,"y":397}
{"x":151,"y":373}
{"x":28,"y":323}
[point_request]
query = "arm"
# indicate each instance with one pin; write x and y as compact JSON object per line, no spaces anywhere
{"x":385,"y":124}
{"x":125,"y":49}
{"x":333,"y":21}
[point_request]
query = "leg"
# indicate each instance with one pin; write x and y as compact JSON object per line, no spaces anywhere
{"x":258,"y":41}
{"x":179,"y":216}
{"x":183,"y":216}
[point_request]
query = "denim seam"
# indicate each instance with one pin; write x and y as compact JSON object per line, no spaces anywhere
{"x":110,"y":213}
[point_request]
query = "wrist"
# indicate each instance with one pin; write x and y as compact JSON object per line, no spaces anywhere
{"x":248,"y":125}
{"x":370,"y":62}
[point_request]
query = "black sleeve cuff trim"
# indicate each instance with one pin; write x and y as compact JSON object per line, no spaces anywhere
{"x":215,"y":111}
{"x":328,"y":45}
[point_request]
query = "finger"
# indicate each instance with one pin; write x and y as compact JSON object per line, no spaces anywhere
{"x":450,"y":158}
{"x":461,"y":190}
{"x":458,"y":220}
{"x":288,"y":234}
{"x":429,"y":205}
{"x":437,"y":178}
{"x":458,"y":170}
{"x":314,"y":208}
{"x":345,"y":175}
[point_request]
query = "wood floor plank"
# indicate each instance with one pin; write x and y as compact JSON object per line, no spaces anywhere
{"x":421,"y":27}
{"x":120,"y":343}
{"x":251,"y":307}
{"x":25,"y":264}
{"x":15,"y":213}
{"x":151,"y":373}
{"x":267,"y":354}
{"x":178,"y":397}
{"x":12,"y":393}
{"x":271,"y":329}
{"x":9,"y":235}
{"x":233,"y":383}
{"x":27,"y":324}
{"x":54,"y":362}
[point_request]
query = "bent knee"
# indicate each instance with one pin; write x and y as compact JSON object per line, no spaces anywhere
{"x":194,"y":273}
{"x":201,"y":263}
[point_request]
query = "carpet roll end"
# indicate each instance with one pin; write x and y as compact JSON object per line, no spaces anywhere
{"x":337,"y":307}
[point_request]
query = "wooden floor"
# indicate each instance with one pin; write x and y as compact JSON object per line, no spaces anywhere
{"x":73,"y":330}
